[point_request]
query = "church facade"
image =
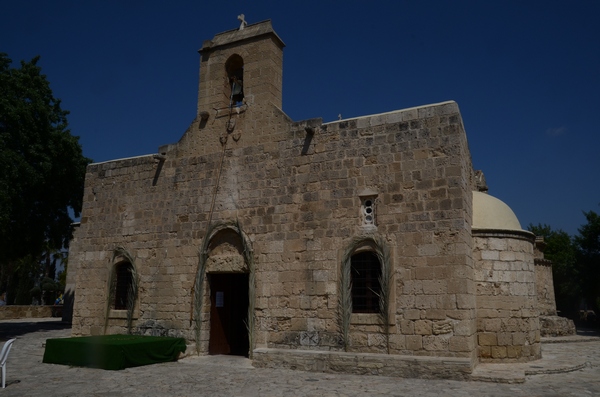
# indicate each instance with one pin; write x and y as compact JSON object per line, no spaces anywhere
{"x":362,"y":245}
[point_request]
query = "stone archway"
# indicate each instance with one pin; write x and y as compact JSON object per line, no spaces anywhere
{"x":226,"y":263}
{"x":227,"y":273}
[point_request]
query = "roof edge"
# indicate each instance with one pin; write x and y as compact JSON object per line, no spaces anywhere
{"x":234,"y":35}
{"x":441,"y":108}
{"x":503,"y":233}
{"x":123,"y":159}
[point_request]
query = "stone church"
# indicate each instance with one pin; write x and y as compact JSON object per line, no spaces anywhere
{"x":365,"y":245}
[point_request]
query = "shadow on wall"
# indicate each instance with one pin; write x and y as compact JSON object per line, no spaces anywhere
{"x":67,"y":310}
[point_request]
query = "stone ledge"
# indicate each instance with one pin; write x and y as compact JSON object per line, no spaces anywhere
{"x":425,"y":367}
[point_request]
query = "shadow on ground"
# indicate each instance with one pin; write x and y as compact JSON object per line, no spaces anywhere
{"x":11,"y":329}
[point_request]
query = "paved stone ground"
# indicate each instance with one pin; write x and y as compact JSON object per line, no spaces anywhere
{"x":234,"y":376}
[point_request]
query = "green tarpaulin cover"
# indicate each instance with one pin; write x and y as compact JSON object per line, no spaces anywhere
{"x":113,"y":351}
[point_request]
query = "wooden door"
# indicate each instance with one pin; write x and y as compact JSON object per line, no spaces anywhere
{"x":228,"y":313}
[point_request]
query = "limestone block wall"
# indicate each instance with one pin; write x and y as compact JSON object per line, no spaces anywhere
{"x":20,"y":311}
{"x":550,"y":323}
{"x":295,"y":194}
{"x":507,"y":315}
{"x":262,"y":56}
{"x":123,"y":207}
{"x":544,"y":280}
{"x":419,"y":168}
{"x":545,"y":289}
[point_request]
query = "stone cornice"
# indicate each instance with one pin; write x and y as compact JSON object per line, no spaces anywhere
{"x":516,"y":234}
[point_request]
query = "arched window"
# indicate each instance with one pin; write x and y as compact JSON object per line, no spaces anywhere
{"x":365,"y":271}
{"x":235,"y":75}
{"x":123,"y":285}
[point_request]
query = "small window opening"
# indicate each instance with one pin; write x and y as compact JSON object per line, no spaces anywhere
{"x":366,"y":287}
{"x":235,"y":75}
{"x":123,"y":285}
{"x":368,"y":211}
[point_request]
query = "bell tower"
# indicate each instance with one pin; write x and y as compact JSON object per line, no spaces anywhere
{"x":241,"y":68}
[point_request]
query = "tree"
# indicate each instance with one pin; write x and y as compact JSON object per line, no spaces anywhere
{"x":561,"y":250}
{"x":588,"y":258}
{"x":42,"y":168}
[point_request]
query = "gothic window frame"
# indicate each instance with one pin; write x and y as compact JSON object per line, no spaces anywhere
{"x":377,"y":246}
{"x":365,"y":271}
{"x":122,"y":287}
{"x":122,"y":272}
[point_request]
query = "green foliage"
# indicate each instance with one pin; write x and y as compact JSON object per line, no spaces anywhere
{"x":22,"y":282}
{"x":62,"y":276}
{"x":345,"y":299}
{"x":588,"y":258}
{"x":249,"y":260}
{"x":110,"y":296}
{"x":561,"y":250}
{"x":198,"y":289}
{"x":49,"y":284}
{"x":43,"y":168}
{"x":575,"y":264}
{"x":385,"y":281}
{"x":50,"y":290}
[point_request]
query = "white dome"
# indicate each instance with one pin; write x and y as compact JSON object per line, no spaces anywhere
{"x":491,"y":213}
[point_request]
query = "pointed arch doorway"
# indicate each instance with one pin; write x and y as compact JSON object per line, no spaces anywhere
{"x":228,"y":277}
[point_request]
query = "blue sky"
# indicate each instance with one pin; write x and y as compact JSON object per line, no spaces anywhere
{"x":525,"y":74}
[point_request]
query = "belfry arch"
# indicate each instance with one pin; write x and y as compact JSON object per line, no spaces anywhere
{"x":234,"y":68}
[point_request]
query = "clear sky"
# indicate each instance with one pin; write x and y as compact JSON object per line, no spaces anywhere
{"x":525,"y":74}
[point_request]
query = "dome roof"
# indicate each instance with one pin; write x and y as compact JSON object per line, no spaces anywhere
{"x":491,"y":213}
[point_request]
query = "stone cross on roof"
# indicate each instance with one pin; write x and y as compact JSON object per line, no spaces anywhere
{"x":243,"y":21}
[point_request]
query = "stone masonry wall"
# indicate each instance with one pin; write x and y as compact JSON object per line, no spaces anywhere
{"x":550,"y":323}
{"x":543,"y":280}
{"x":20,"y":311}
{"x":507,"y":315}
{"x":294,"y":189}
{"x":296,"y":197}
{"x":545,"y":289}
{"x":123,"y":207}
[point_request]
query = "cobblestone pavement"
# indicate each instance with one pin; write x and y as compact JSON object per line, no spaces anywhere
{"x":235,"y":376}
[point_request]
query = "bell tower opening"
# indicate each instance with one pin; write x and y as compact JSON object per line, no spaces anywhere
{"x":241,"y":67}
{"x":234,"y":67}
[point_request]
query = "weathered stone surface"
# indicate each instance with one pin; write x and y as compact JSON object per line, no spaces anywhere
{"x":556,"y":326}
{"x":365,"y":363}
{"x":19,"y":311}
{"x":507,"y":311}
{"x":247,"y":191}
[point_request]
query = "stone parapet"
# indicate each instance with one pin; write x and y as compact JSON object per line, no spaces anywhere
{"x":16,"y":311}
